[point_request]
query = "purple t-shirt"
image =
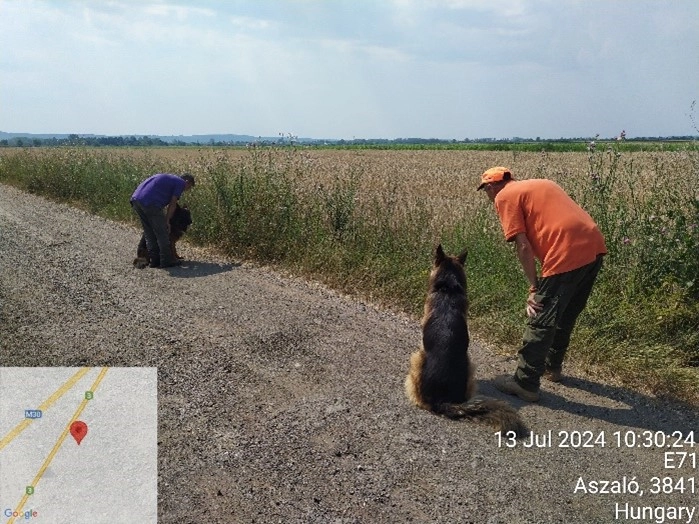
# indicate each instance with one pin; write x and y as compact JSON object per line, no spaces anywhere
{"x":158,"y":190}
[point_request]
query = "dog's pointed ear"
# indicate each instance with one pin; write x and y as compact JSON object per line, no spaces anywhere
{"x":439,"y":255}
{"x":462,"y":256}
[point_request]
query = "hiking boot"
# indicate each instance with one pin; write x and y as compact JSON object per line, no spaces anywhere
{"x":507,"y":384}
{"x":553,"y":375}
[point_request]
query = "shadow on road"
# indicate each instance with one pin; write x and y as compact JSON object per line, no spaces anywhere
{"x":640,"y":411}
{"x":194,"y":269}
{"x":634,"y":410}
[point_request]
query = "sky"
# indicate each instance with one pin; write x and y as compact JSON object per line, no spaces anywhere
{"x":344,"y":69}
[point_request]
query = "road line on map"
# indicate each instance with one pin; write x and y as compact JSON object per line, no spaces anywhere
{"x":58,"y":444}
{"x":43,"y":407}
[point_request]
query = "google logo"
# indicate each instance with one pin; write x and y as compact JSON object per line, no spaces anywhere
{"x":29,"y":514}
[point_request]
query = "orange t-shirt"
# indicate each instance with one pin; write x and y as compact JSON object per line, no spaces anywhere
{"x":564,"y":237}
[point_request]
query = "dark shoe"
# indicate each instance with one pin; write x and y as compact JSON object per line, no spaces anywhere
{"x":154,"y":263}
{"x":553,"y":375}
{"x":507,"y":384}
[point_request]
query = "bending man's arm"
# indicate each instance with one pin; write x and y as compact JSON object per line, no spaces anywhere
{"x":170,"y":210}
{"x":525,"y":254}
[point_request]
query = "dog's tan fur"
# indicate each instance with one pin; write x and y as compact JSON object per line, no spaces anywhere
{"x":441,"y":375}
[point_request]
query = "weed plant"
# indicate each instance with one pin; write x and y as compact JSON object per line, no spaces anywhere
{"x":645,"y":316}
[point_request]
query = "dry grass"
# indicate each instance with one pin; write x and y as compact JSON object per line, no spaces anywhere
{"x":445,"y":179}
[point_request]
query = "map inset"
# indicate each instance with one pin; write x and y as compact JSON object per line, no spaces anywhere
{"x":78,"y":445}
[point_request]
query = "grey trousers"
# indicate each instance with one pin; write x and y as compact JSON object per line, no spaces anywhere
{"x":156,"y":233}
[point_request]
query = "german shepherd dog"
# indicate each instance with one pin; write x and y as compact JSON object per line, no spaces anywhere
{"x":441,"y":374}
{"x":180,"y":221}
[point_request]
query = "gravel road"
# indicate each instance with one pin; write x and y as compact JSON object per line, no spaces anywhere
{"x":282,"y":401}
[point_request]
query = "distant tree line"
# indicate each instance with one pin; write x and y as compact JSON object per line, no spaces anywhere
{"x":74,"y":140}
{"x":77,"y":140}
{"x":398,"y":143}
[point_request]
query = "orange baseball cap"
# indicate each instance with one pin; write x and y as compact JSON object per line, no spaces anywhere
{"x":494,"y":174}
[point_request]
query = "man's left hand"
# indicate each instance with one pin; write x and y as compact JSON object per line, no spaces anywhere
{"x":533,"y":307}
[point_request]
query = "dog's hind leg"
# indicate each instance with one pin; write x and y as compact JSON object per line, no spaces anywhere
{"x":471,"y":385}
{"x":413,"y":382}
{"x":173,"y":250}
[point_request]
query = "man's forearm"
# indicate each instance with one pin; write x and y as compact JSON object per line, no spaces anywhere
{"x":525,"y":254}
{"x":170,"y":210}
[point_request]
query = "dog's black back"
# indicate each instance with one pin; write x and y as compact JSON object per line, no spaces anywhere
{"x":445,"y":339}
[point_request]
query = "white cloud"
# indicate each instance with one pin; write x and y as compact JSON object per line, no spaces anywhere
{"x":251,"y":24}
{"x":507,"y":8}
{"x":181,"y":13}
{"x":358,"y":49}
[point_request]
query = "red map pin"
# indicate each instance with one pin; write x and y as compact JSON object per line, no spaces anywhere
{"x":78,"y":429}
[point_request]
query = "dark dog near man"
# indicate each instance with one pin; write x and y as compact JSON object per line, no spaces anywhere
{"x":441,"y":373}
{"x":180,"y":221}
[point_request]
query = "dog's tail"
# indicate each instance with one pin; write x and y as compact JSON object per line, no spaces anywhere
{"x":497,"y":413}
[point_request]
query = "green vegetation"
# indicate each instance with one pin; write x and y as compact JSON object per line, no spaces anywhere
{"x":374,"y":237}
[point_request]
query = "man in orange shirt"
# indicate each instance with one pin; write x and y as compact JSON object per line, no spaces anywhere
{"x":546,"y":225}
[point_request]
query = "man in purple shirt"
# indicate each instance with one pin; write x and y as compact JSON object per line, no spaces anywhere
{"x":148,"y":201}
